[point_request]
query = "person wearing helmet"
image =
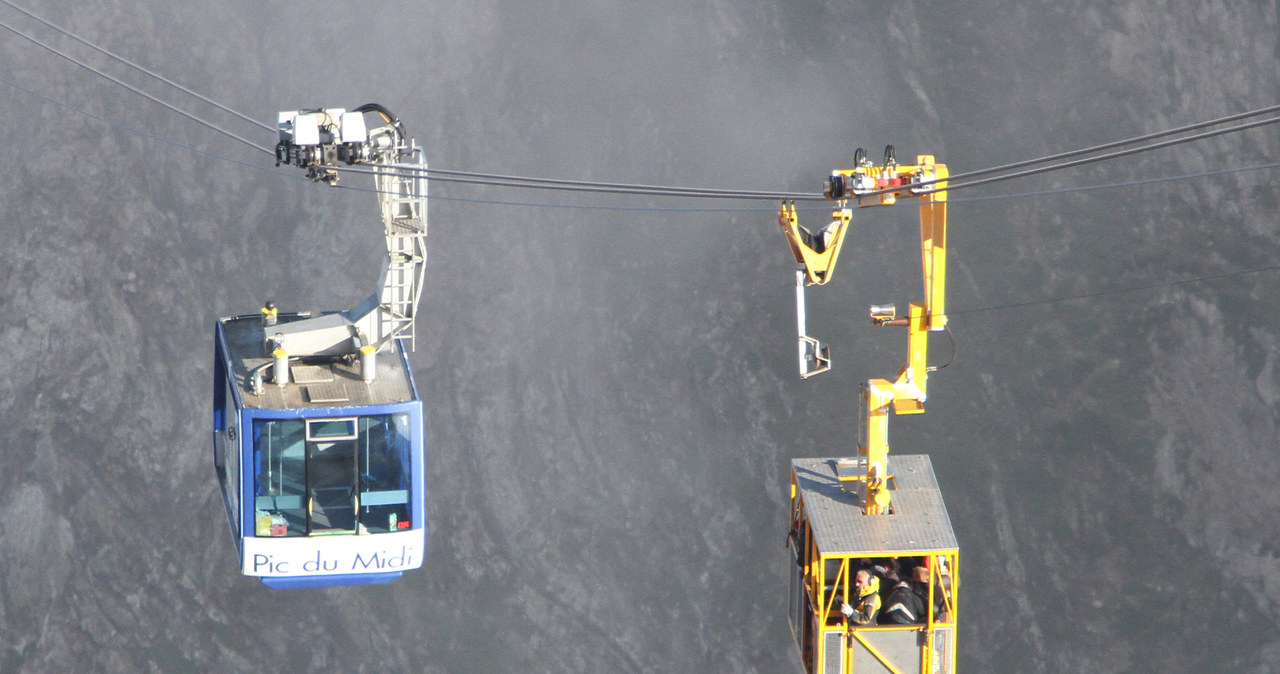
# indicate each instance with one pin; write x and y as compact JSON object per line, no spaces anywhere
{"x":864,"y":610}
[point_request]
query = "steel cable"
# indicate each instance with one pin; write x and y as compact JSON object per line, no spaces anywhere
{"x":1114,"y":144}
{"x":145,"y":71}
{"x":135,"y":90}
{"x":493,"y":180}
{"x":954,"y":182}
{"x":1113,"y":155}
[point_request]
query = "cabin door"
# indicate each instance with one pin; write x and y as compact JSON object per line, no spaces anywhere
{"x":332,"y":498}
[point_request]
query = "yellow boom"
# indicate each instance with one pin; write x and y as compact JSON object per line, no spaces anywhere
{"x":870,"y":185}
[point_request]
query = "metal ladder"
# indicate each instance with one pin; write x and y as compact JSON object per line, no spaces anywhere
{"x":403,"y":198}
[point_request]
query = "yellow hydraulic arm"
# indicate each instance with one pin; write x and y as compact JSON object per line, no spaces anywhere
{"x":871,"y":185}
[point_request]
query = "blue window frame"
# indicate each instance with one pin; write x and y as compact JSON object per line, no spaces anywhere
{"x":332,"y":475}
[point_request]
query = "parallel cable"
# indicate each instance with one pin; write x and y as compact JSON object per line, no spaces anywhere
{"x":655,"y":190}
{"x":1113,"y":155}
{"x":613,"y":207}
{"x":747,"y":194}
{"x":955,"y":181}
{"x":499,"y":180}
{"x":442,"y":175}
{"x":571,"y":207}
{"x":493,"y":180}
{"x":147,"y":134}
{"x":1113,"y":144}
{"x":1127,"y":183}
{"x":1088,"y":160}
{"x":135,"y":90}
{"x":522,"y":182}
{"x":141,"y":69}
{"x":950,"y":314}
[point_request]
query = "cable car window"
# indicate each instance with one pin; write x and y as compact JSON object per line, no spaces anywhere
{"x":280,"y":465}
{"x":383,"y":451}
{"x":331,"y":429}
{"x":300,"y":489}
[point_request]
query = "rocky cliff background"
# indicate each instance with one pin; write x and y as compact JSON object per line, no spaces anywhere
{"x":611,"y":396}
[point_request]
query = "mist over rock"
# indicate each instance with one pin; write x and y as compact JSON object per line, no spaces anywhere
{"x":611,"y":396}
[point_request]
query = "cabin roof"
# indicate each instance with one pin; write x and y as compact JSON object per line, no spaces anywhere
{"x":323,"y":382}
{"x":919,"y":523}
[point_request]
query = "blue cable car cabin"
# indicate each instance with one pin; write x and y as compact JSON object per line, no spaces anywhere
{"x":319,"y":457}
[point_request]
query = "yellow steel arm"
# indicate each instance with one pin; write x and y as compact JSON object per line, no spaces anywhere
{"x":873,"y":445}
{"x":929,"y":315}
{"x":933,"y":242}
{"x":871,"y":185}
{"x":876,"y":185}
{"x":817,"y":252}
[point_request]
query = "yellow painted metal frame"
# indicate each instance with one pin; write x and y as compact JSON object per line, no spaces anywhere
{"x":818,"y":253}
{"x":873,"y":445}
{"x":909,"y":390}
{"x":906,"y":393}
{"x":944,"y":575}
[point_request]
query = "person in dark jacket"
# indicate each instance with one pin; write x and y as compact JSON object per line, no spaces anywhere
{"x":902,"y":606}
{"x":941,"y":590}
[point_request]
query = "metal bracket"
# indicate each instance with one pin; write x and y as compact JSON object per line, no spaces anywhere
{"x":815,"y":357}
{"x":319,"y":140}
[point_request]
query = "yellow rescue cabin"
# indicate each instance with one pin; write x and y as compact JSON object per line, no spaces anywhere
{"x":832,"y":541}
